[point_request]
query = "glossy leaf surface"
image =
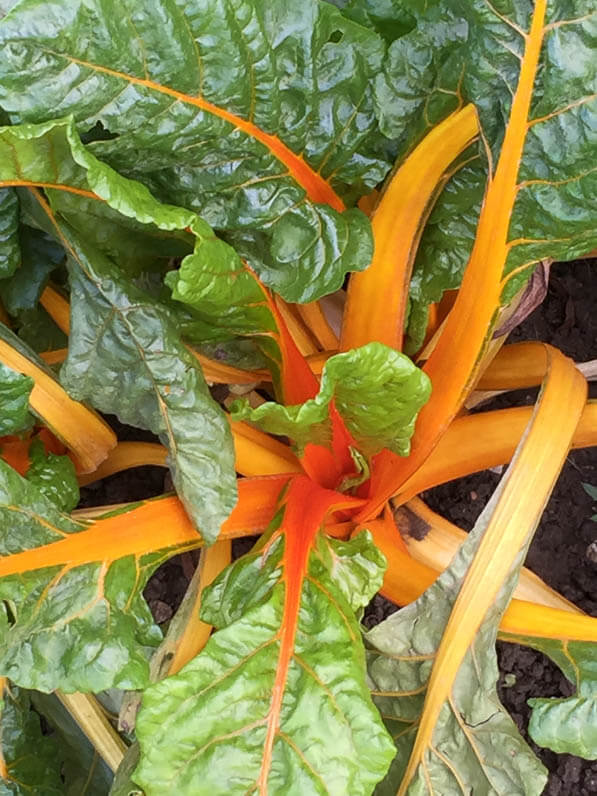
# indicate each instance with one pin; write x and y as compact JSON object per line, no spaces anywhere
{"x":476,"y":58}
{"x":33,"y":760}
{"x":78,"y":628}
{"x":54,"y":476}
{"x":376,"y":390}
{"x":126,"y":357}
{"x":15,"y":389}
{"x":10,"y":252}
{"x":284,"y":673}
{"x":245,"y":153}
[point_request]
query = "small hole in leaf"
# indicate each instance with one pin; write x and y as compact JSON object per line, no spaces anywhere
{"x":336,"y":36}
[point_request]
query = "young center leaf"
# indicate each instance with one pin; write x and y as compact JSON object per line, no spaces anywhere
{"x":377,"y":391}
{"x":282,"y":676}
{"x":225,"y":118}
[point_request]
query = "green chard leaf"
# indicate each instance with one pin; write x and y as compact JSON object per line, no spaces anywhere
{"x":207,"y":279}
{"x":126,"y":357}
{"x":377,"y":391}
{"x":226,"y":118}
{"x":14,"y":401}
{"x":125,"y":353}
{"x":10,"y":251}
{"x":390,"y":18}
{"x":54,"y":476}
{"x":77,"y":627}
{"x":567,"y":725}
{"x":472,"y":723}
{"x":282,"y":676}
{"x":33,"y":760}
{"x":477,"y":59}
{"x":40,"y":256}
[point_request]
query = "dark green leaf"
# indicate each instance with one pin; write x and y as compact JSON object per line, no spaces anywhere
{"x":14,"y":401}
{"x":390,"y":18}
{"x":10,"y":253}
{"x":33,"y":760}
{"x":126,"y":357}
{"x":590,"y":490}
{"x":54,"y":476}
{"x":555,"y":207}
{"x":37,"y":330}
{"x":40,"y":256}
{"x":78,"y":628}
{"x":301,"y":72}
{"x":203,"y":730}
{"x":377,"y":391}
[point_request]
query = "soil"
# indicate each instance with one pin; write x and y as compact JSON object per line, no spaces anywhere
{"x":561,"y":551}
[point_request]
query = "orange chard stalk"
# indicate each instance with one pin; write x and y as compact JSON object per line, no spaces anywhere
{"x":452,"y":365}
{"x":477,"y":442}
{"x":316,"y":322}
{"x":521,"y":499}
{"x":155,"y":525}
{"x":82,"y":431}
{"x":377,"y":297}
{"x":57,"y":308}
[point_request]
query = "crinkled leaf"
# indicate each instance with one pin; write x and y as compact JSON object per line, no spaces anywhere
{"x":14,"y":401}
{"x":567,"y":725}
{"x":77,"y":628}
{"x":390,"y":18}
{"x":377,"y":391}
{"x":40,"y":256}
{"x":420,"y":81}
{"x":472,"y":723}
{"x":288,"y":661}
{"x":213,"y":283}
{"x":52,"y":155}
{"x":10,"y":252}
{"x":223,"y":293}
{"x":33,"y":760}
{"x":126,"y":357}
{"x":54,"y":476}
{"x":242,"y":113}
{"x":554,"y":211}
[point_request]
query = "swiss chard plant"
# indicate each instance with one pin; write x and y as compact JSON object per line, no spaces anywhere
{"x":336,"y":210}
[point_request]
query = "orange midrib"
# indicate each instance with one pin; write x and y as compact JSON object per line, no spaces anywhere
{"x":155,"y":525}
{"x":318,"y":189}
{"x":306,"y":507}
{"x":451,"y":366}
{"x":54,"y":185}
{"x":376,"y":301}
